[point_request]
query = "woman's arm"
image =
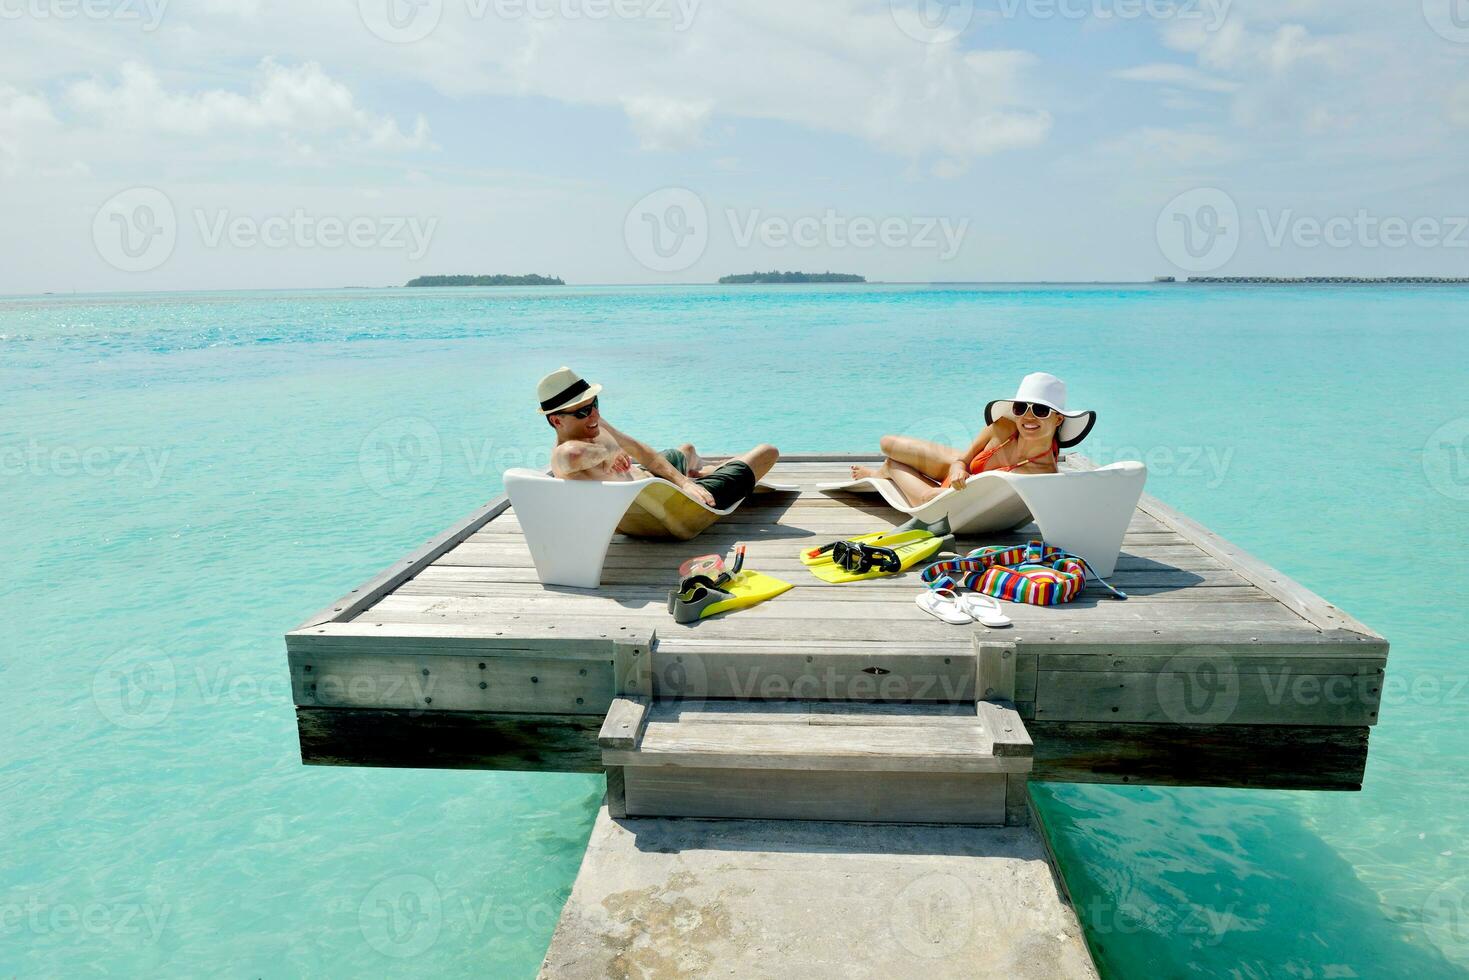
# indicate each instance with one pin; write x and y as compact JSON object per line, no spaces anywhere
{"x":994,"y":434}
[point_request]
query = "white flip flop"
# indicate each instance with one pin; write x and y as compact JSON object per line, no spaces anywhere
{"x":943,"y":604}
{"x":983,"y":610}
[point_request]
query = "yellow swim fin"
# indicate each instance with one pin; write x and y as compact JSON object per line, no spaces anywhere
{"x":746,"y":588}
{"x":822,"y":555}
{"x":911,"y":547}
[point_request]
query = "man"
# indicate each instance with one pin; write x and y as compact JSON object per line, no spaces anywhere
{"x":589,"y":448}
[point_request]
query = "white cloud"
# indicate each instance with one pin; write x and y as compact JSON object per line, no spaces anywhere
{"x":663,"y":123}
{"x":297,"y":101}
{"x":1180,"y":75}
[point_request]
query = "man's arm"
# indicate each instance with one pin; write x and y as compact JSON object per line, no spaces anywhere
{"x":655,"y":464}
{"x":571,"y":459}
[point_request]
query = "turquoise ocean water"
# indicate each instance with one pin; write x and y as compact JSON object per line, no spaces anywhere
{"x":185,"y":477}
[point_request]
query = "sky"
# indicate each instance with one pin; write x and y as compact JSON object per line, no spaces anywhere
{"x":256,"y":144}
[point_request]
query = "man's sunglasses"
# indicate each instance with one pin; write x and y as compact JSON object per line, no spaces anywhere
{"x":1040,"y":411}
{"x":582,"y":412}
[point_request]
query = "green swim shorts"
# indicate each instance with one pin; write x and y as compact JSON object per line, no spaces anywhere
{"x":731,"y":483}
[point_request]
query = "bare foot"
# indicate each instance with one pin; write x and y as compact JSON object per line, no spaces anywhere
{"x":869,"y":472}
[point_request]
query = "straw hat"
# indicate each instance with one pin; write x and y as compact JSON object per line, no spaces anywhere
{"x":1048,"y":390}
{"x":563,"y":388}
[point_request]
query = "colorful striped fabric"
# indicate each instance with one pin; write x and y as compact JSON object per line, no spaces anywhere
{"x":1033,"y":573}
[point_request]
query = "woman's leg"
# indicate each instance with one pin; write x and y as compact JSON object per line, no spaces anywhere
{"x":929,"y":459}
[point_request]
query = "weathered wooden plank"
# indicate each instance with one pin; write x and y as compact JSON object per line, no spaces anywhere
{"x":1289,"y":592}
{"x":775,"y":794}
{"x":389,"y":578}
{"x":649,"y":579}
{"x":590,"y":643}
{"x":995,"y":663}
{"x":616,"y":797}
{"x":1017,"y":799}
{"x":623,"y":726}
{"x":1007,"y":731}
{"x":632,"y":666}
{"x":448,"y":740}
{"x":527,"y":685}
{"x":1212,"y":692}
{"x":1256,"y":757}
{"x":832,"y":672}
{"x":866,"y":748}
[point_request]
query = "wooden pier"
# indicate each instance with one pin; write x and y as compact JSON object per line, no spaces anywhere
{"x":838,"y":702}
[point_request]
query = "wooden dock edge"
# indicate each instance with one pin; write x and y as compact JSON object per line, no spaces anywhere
{"x":1223,"y":756}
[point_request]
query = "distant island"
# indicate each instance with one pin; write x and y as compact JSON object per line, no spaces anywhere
{"x":531,"y":280}
{"x":765,"y":278}
{"x":1327,"y":280}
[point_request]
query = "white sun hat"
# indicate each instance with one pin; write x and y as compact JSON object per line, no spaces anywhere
{"x":1048,"y":390}
{"x":563,"y":388}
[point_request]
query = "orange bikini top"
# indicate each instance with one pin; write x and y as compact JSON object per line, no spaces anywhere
{"x":977,"y":465}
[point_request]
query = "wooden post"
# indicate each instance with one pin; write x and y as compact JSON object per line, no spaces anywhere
{"x":632,"y":664}
{"x":995,"y":670}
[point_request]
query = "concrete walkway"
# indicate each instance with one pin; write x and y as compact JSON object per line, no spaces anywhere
{"x":671,"y":899}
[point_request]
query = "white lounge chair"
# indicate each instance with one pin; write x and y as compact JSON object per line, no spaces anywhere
{"x":568,"y":524}
{"x":1085,"y":512}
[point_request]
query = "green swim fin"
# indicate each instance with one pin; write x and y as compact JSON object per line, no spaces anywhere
{"x":912,"y":547}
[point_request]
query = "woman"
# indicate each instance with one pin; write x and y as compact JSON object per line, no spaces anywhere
{"x":1024,"y":434}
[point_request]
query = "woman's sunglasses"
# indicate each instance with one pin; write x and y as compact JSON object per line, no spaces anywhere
{"x":582,"y":412}
{"x":1040,"y":411}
